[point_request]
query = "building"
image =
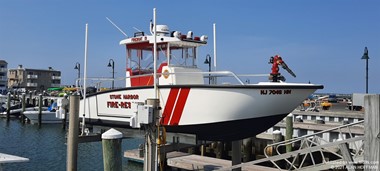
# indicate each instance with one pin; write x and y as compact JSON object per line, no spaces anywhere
{"x":33,"y":79}
{"x":3,"y":76}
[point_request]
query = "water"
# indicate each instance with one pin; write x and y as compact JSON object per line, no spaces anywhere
{"x":46,"y":148}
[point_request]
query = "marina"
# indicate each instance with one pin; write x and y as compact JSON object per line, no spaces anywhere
{"x":163,"y":111}
{"x":45,"y":147}
{"x":184,"y":160}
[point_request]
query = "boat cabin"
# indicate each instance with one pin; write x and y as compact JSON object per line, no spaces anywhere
{"x":176,"y":58}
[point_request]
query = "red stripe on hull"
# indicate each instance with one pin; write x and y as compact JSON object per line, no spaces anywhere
{"x":172,"y":98}
{"x":180,"y":105}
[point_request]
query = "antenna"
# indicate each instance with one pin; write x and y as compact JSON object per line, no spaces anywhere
{"x":137,"y":29}
{"x":116,"y":26}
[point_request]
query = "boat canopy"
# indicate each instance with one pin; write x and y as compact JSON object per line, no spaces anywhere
{"x":173,"y":50}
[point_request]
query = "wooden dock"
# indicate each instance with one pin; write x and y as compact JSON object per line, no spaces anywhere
{"x":187,"y":161}
{"x":196,"y":162}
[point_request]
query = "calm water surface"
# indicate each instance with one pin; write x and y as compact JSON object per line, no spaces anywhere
{"x":46,"y":148}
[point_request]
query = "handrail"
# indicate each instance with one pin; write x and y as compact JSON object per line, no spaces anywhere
{"x":321,"y":132}
{"x":310,"y":144}
{"x":213,"y":74}
{"x":311,"y":141}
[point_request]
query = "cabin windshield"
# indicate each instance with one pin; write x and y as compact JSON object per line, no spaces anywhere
{"x":183,"y":56}
{"x":140,"y":60}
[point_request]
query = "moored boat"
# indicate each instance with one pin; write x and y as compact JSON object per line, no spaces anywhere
{"x":47,"y":117}
{"x":188,"y":103}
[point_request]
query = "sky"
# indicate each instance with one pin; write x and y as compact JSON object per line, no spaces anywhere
{"x":321,"y":41}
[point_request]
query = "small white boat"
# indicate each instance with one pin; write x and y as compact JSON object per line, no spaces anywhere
{"x":46,"y":116}
{"x":18,"y":111}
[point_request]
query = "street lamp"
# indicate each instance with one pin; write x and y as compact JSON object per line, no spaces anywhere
{"x":113,"y":70}
{"x":208,"y":61}
{"x":77,"y":66}
{"x":366,"y":57}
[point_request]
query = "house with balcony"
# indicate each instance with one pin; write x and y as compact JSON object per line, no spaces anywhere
{"x":33,"y":79}
{"x":3,"y":76}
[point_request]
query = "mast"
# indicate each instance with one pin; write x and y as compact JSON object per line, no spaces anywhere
{"x":85,"y":77}
{"x":214,"y":35}
{"x":155,"y":54}
{"x":214,"y":32}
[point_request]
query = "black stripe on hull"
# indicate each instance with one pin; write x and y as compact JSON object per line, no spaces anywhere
{"x":230,"y":130}
{"x":221,"y":131}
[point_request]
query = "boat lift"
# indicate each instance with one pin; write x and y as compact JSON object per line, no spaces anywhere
{"x":348,"y":150}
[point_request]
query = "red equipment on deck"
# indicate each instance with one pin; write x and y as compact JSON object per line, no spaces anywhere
{"x":275,"y":76}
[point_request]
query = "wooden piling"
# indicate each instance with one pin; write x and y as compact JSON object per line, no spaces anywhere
{"x":277,"y":136}
{"x":23,"y":103}
{"x":219,"y":150}
{"x":46,"y":103}
{"x":344,"y":149}
{"x":236,"y":154}
{"x":371,"y":132}
{"x":247,"y":150}
{"x":39,"y":109}
{"x":72,"y":139}
{"x":112,"y":158}
{"x":8,"y":106}
{"x":289,"y":131}
{"x":34,"y":101}
{"x":64,"y":105}
{"x":30,"y":98}
{"x":150,"y":157}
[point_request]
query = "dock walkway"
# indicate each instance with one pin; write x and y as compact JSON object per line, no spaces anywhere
{"x":187,"y":161}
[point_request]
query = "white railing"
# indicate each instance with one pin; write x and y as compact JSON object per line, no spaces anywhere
{"x":214,"y":74}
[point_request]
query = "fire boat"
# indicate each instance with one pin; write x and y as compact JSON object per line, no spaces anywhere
{"x":188,"y":102}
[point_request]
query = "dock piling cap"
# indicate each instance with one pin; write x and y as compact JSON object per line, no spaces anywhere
{"x":112,"y":134}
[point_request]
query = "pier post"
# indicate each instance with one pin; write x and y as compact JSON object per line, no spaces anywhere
{"x":8,"y":106}
{"x":277,"y":137}
{"x":111,"y":141}
{"x":371,"y":132}
{"x":219,"y":149}
{"x":30,"y":98}
{"x":23,"y":103}
{"x":64,"y":105}
{"x":236,"y":154}
{"x":46,"y":102}
{"x":247,"y":149}
{"x":289,"y":131}
{"x":39,"y":109}
{"x":151,"y":158}
{"x":72,"y":138}
{"x":34,"y":101}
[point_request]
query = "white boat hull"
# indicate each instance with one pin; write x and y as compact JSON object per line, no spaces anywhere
{"x":46,"y":117}
{"x":219,"y":112}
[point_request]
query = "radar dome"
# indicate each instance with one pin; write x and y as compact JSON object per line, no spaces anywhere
{"x":162,"y":30}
